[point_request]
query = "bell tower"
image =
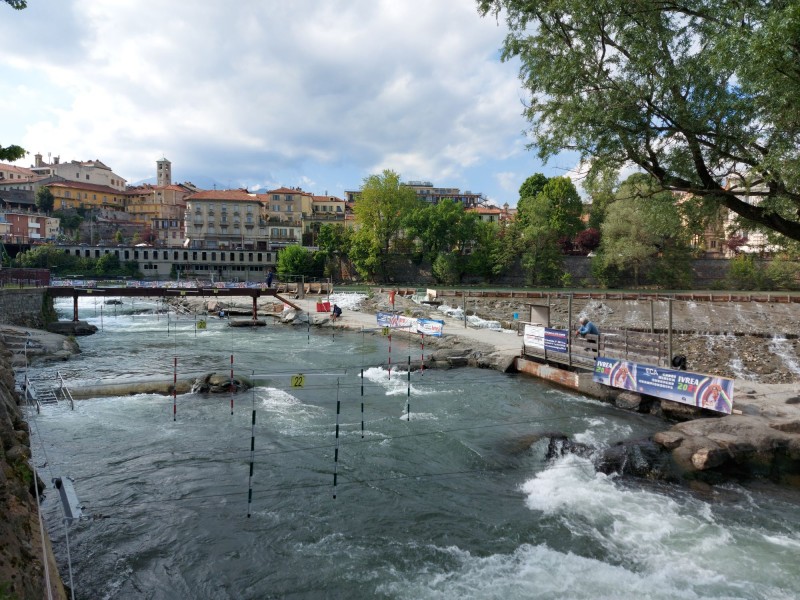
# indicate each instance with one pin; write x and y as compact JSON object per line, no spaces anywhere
{"x":163,"y":173}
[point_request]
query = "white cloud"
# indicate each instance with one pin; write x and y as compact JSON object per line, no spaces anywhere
{"x":258,"y":91}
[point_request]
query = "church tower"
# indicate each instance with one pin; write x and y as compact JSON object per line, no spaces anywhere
{"x":163,"y":173}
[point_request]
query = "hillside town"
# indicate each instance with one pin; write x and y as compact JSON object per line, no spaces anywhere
{"x":171,"y":215}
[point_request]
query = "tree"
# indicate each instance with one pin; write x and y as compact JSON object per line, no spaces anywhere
{"x":588,"y":239}
{"x":528,"y":191}
{"x":333,"y":242}
{"x":45,"y":199}
{"x":380,"y":210}
{"x":442,"y":227}
{"x":693,"y":93}
{"x":294,"y":260}
{"x":18,"y":5}
{"x":641,"y":225}
{"x":12,"y":153}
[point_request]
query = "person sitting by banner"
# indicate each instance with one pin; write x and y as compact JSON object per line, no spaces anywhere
{"x":587,"y":327}
{"x":336,"y":312}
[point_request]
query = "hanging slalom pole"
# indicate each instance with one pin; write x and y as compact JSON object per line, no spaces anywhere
{"x":422,"y":357}
{"x":362,"y":404}
{"x":101,"y":317}
{"x":252,"y":456}
{"x":390,"y":354}
{"x":408,"y":391}
{"x":175,"y":388}
{"x":336,"y":451}
{"x":232,"y":385}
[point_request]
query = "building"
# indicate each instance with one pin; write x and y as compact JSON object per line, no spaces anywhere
{"x":76,"y":195}
{"x":226,"y":219}
{"x":426,"y":191}
{"x":93,"y":171}
{"x":487,"y":214}
{"x":25,"y":227}
{"x":285,"y":212}
{"x":160,"y":209}
{"x":325,"y":210}
{"x":185,"y":263}
{"x":14,"y":174}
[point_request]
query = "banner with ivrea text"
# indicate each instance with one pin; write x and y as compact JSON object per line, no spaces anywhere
{"x":696,"y":389}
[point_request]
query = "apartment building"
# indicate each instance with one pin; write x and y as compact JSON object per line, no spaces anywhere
{"x":75,"y":194}
{"x":226,"y":219}
{"x":93,"y":172}
{"x":26,"y":227}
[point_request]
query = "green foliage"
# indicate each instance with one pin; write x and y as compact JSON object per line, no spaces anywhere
{"x":69,"y":220}
{"x":365,"y":254}
{"x":294,"y":260}
{"x":333,"y":241}
{"x":480,"y":261}
{"x":744,"y":274}
{"x":11,"y":153}
{"x":541,"y":259}
{"x":688,"y":92}
{"x":640,"y":225}
{"x":528,"y":191}
{"x":18,"y":5}
{"x":605,"y":272}
{"x":45,"y":199}
{"x":447,"y":268}
{"x":783,"y":273}
{"x":443,"y":227}
{"x":380,"y":210}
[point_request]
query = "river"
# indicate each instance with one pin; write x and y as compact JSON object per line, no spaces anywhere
{"x":445,"y":500}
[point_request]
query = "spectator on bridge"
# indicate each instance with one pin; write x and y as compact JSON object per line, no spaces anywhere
{"x":587,"y":327}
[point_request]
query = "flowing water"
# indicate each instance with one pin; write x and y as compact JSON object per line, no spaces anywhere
{"x":449,"y":499}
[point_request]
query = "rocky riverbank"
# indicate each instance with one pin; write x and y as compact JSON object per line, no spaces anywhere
{"x":22,"y":569}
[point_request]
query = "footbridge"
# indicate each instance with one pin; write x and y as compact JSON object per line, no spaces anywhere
{"x":210,"y":292}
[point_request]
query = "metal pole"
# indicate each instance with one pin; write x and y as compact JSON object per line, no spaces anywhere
{"x":669,"y":336}
{"x":464,"y":307}
{"x":569,"y":334}
{"x":652,"y":318}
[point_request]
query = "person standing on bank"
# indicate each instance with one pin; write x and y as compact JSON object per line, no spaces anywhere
{"x":270,"y":275}
{"x":587,"y":327}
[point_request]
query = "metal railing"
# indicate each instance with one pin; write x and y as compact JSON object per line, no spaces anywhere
{"x":63,"y":390}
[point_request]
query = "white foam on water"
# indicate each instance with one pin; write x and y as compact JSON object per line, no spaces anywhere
{"x":396,"y":382}
{"x":780,"y":346}
{"x":599,"y":431}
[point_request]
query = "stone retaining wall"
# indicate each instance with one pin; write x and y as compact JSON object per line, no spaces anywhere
{"x":25,"y":307}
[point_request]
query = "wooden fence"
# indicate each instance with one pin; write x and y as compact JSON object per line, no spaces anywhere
{"x":635,"y":346}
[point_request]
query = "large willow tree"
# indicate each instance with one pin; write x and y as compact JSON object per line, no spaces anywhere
{"x":698,"y":93}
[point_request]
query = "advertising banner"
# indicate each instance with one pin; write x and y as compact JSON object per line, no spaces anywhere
{"x":695,"y":389}
{"x":556,"y":340}
{"x":427,"y":326}
{"x":432,"y":327}
{"x":534,"y":336}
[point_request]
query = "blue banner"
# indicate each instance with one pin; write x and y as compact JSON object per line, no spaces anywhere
{"x":556,"y":340}
{"x":695,"y":389}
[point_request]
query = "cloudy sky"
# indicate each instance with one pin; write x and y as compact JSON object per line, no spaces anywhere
{"x":265,"y":93}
